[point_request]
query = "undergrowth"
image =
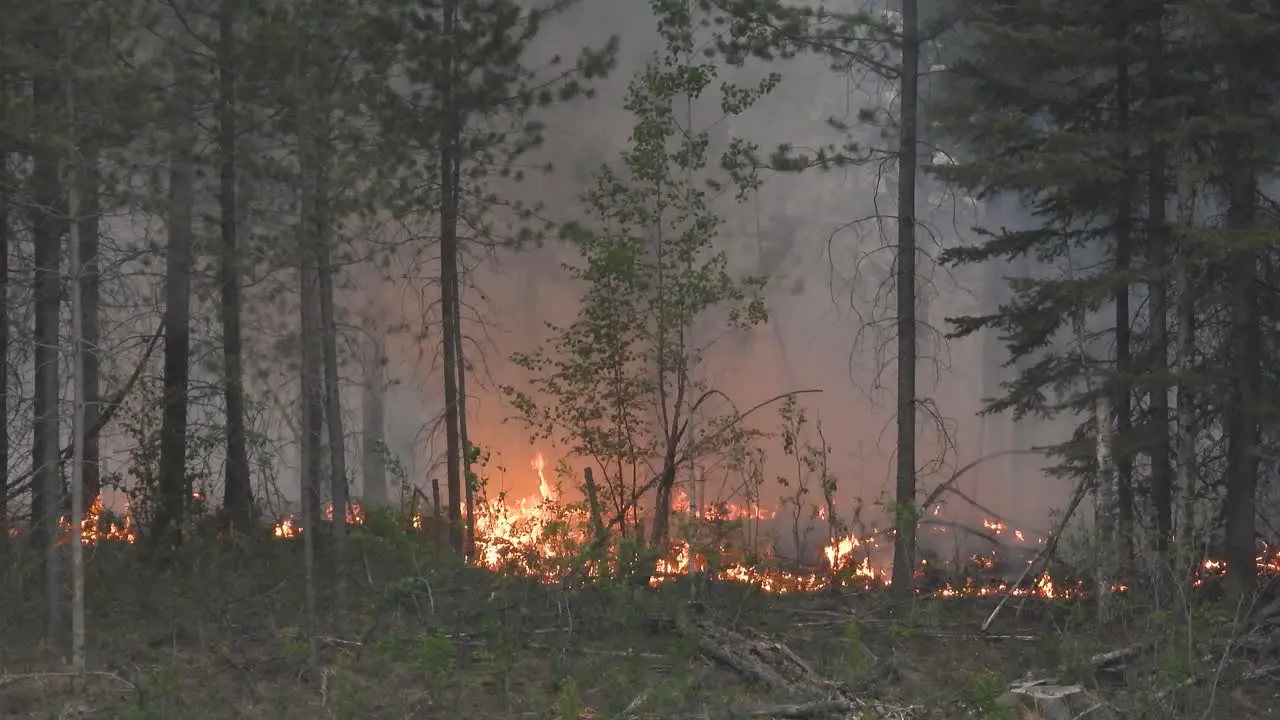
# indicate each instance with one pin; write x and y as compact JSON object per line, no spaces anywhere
{"x":222,"y":633}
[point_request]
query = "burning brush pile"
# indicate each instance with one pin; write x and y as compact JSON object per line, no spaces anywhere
{"x":547,"y":539}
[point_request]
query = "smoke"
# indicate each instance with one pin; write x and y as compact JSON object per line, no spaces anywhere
{"x":822,"y":238}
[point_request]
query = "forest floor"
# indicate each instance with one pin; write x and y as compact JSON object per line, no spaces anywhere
{"x":425,"y":637}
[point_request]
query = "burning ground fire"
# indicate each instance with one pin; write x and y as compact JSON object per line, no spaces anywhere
{"x":542,"y":537}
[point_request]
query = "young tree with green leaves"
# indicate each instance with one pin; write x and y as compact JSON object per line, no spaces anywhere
{"x":619,"y":384}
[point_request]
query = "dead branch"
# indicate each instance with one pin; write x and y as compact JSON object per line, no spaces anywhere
{"x":23,"y":482}
{"x":7,"y":679}
{"x":599,"y":543}
{"x":817,"y":708}
{"x":946,"y":485}
{"x":1042,"y":557}
{"x":1105,"y":660}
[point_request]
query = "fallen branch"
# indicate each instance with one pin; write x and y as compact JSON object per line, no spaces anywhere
{"x":1082,"y":489}
{"x":817,"y":708}
{"x":1105,"y":660}
{"x":6,"y":679}
{"x":634,"y":705}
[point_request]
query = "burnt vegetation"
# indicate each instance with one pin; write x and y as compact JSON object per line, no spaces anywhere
{"x":236,"y":238}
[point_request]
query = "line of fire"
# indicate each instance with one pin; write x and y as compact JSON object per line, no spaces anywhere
{"x":735,"y":542}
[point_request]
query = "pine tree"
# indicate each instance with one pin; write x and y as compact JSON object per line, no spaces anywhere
{"x":466,"y":116}
{"x":1041,"y":106}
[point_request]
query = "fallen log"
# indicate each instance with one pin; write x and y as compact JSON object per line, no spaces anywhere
{"x":1046,"y":700}
{"x":768,"y":662}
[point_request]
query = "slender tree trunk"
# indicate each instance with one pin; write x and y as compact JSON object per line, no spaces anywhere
{"x":89,"y":215}
{"x":448,"y":281}
{"x":312,"y":378}
{"x":1107,"y":505}
{"x":75,"y":181}
{"x":4,"y":320}
{"x":333,"y":400}
{"x":312,"y":396}
{"x":1186,"y":339}
{"x":46,"y":496}
{"x":904,"y":545}
{"x":1242,"y":430}
{"x":238,"y":497}
{"x":1158,"y":243}
{"x":463,"y":442}
{"x":373,"y":435}
{"x":312,"y":393}
{"x":179,"y":261}
{"x":1124,"y":335}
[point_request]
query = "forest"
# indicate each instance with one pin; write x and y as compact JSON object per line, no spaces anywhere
{"x":577,"y":359}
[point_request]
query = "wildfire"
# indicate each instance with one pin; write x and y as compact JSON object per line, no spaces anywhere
{"x":541,"y":537}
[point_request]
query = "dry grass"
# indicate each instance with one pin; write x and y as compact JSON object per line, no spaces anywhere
{"x":425,"y":637}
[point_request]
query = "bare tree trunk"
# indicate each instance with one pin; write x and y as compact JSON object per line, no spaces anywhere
{"x":4,"y":320}
{"x":238,"y":493}
{"x":463,"y":443}
{"x":46,"y":496}
{"x":333,"y":399}
{"x":373,"y":435}
{"x":1242,"y":423}
{"x":1107,"y":507}
{"x":904,"y":545}
{"x":75,"y":179}
{"x":1185,"y":398}
{"x":1123,"y":319}
{"x":312,"y":394}
{"x":311,"y":378}
{"x":179,"y":262}
{"x":1158,"y":239}
{"x":449,"y":151}
{"x":89,"y":337}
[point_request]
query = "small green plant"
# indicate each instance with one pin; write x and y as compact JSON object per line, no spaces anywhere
{"x":981,"y":692}
{"x":568,"y":699}
{"x":855,"y":656}
{"x":433,"y":655}
{"x":158,"y":694}
{"x":293,"y":643}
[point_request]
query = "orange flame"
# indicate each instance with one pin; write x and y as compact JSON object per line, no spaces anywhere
{"x":541,"y":538}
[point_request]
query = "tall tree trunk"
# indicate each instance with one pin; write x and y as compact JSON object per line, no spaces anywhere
{"x":46,"y":495}
{"x":449,"y":151}
{"x":332,"y":396}
{"x":1158,"y":242}
{"x":463,"y":443}
{"x":75,"y":181}
{"x":1105,"y":519}
{"x":1186,"y":339}
{"x":179,"y":262}
{"x":373,"y":432}
{"x":904,"y":543}
{"x":89,"y":214}
{"x":312,"y":378}
{"x":4,"y":320}
{"x":1124,"y":335}
{"x":312,"y":391}
{"x":1240,"y":174}
{"x":238,"y":497}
